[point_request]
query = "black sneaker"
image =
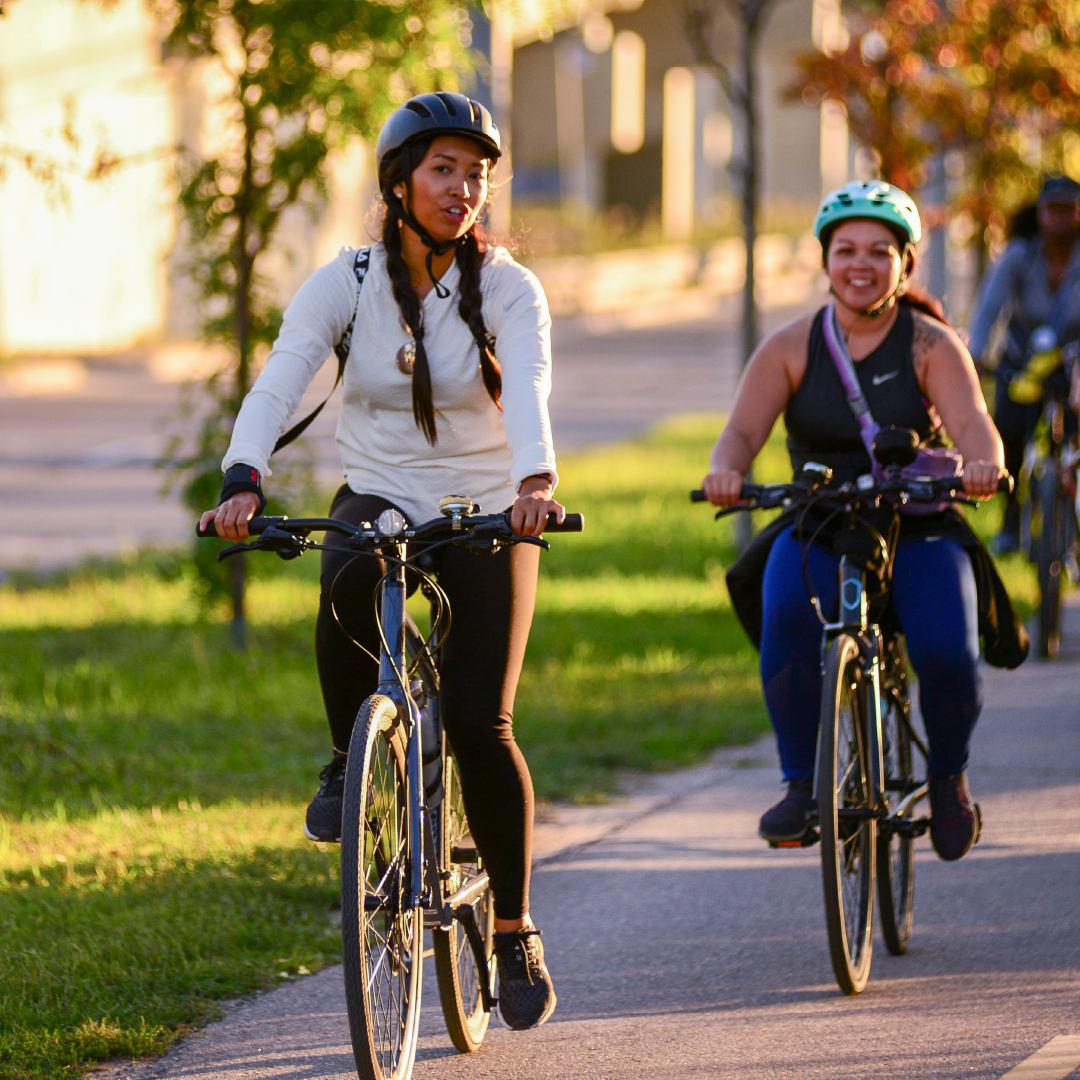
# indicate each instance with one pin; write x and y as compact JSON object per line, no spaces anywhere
{"x":787,"y":821}
{"x":526,"y":993}
{"x":955,"y":821}
{"x":323,"y":820}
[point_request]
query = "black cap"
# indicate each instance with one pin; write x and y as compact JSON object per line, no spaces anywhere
{"x":1059,"y":189}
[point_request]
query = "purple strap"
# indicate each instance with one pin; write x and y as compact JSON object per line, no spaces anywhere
{"x":845,"y":368}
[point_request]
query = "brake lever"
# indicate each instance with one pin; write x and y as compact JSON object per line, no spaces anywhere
{"x":536,"y":541}
{"x":284,"y":544}
{"x":236,"y":549}
{"x":734,"y":509}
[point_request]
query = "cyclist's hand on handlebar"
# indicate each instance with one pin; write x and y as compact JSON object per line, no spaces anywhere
{"x":232,"y":516}
{"x":723,"y":488}
{"x":981,"y":478}
{"x":531,"y":508}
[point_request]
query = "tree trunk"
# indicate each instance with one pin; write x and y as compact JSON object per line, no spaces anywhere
{"x":244,"y":263}
{"x":749,"y":28}
{"x":748,"y":48}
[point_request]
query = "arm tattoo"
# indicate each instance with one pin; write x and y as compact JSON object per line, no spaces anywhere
{"x":928,"y":333}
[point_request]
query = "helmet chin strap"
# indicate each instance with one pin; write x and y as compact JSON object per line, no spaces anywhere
{"x":434,"y":246}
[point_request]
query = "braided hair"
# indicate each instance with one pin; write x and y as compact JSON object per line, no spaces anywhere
{"x":471,"y":249}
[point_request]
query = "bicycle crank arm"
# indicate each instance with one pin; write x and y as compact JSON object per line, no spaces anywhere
{"x":466,"y":896}
{"x":909,"y":800}
{"x":466,"y":916}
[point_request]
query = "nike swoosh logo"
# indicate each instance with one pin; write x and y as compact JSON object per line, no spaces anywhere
{"x":879,"y":379}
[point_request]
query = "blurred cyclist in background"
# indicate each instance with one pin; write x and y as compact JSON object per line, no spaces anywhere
{"x":1035,"y":283}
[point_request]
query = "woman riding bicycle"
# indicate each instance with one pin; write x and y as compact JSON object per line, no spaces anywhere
{"x":427,"y":411}
{"x":913,"y":370}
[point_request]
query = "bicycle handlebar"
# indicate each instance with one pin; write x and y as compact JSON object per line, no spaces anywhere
{"x":258,"y":525}
{"x":937,"y":489}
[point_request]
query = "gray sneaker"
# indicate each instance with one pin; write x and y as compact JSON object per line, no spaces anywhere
{"x":526,"y":993}
{"x":323,"y":821}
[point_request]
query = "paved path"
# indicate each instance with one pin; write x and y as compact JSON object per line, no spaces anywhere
{"x":78,"y":439}
{"x":683,"y":948}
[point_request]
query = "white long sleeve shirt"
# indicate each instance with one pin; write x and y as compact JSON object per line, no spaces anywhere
{"x":481,"y":452}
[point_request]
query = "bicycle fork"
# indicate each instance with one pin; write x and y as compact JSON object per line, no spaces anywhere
{"x":854,"y":620}
{"x":424,"y":886}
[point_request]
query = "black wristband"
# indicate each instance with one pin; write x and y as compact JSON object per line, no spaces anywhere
{"x":240,"y":478}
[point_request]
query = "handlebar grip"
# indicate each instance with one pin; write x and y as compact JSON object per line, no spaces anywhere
{"x":571,"y":523}
{"x":749,"y":491}
{"x":1006,"y":484}
{"x":255,"y":526}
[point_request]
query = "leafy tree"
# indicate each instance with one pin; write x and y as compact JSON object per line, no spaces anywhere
{"x":302,"y":78}
{"x":996,"y":80}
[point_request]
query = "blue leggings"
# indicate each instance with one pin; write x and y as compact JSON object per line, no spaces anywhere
{"x":934,"y":596}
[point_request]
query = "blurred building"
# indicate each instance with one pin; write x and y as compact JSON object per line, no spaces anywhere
{"x":609,"y":116}
{"x":91,"y":115}
{"x":606,"y":116}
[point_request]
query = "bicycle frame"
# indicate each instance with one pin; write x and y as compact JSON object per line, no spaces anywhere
{"x":425,"y":890}
{"x":853,"y":619}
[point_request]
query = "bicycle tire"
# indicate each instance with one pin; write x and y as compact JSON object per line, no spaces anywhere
{"x":457,"y":971}
{"x":1050,"y":553}
{"x":382,"y":936}
{"x":848,"y":845}
{"x":896,"y":853}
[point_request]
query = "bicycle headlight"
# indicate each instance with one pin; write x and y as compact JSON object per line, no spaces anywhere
{"x":390,"y":522}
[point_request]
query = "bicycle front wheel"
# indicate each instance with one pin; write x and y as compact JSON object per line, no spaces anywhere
{"x":382,"y":932}
{"x":895,"y":852}
{"x":459,"y":974}
{"x":848,"y":829}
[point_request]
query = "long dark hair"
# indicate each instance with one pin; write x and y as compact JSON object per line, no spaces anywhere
{"x":471,"y":250}
{"x":924,"y":302}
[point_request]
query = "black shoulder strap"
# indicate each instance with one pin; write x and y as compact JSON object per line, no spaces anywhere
{"x":341,"y":350}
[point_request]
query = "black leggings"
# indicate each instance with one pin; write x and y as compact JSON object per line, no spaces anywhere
{"x":491,"y":600}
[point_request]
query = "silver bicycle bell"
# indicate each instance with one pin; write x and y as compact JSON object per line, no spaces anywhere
{"x":454,"y":507}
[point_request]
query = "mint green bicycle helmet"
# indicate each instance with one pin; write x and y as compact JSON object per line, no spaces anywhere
{"x":870,"y":199}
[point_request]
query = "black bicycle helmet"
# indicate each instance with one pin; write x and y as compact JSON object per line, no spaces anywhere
{"x":440,"y":113}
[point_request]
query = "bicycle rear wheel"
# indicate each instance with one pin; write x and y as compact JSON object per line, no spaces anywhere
{"x":848,"y":831}
{"x":896,"y":853}
{"x":459,"y":974}
{"x":1050,"y":553}
{"x":382,"y":934}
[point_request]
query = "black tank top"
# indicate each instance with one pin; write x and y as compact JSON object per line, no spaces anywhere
{"x":820,"y":424}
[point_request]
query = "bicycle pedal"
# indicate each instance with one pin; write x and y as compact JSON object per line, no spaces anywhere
{"x":910,"y":829}
{"x":808,"y":839}
{"x":463,"y":853}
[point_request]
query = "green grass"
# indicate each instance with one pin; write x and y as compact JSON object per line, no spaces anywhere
{"x":153,"y":780}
